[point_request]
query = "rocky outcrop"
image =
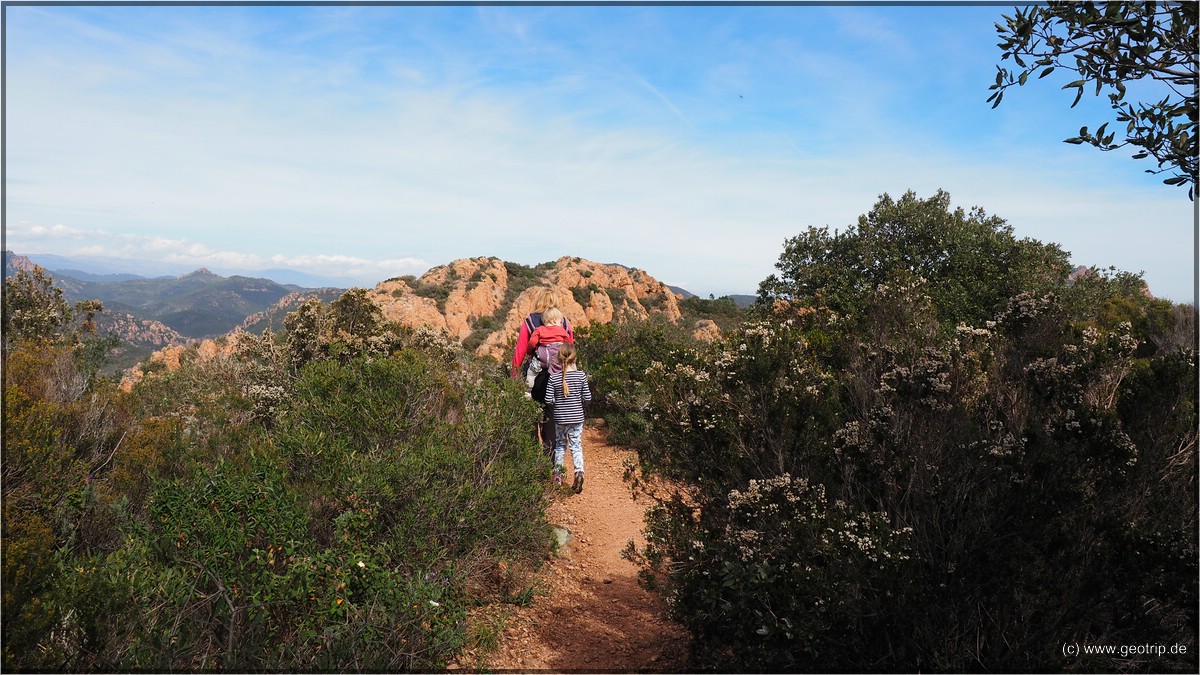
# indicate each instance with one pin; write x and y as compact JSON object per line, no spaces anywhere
{"x":707,"y":330}
{"x":137,"y":330}
{"x":450,"y":297}
{"x":482,"y":302}
{"x":476,"y":298}
{"x":273,"y":317}
{"x":13,"y":263}
{"x":207,"y":350}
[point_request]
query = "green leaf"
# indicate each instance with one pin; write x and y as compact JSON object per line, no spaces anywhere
{"x":1046,"y":72}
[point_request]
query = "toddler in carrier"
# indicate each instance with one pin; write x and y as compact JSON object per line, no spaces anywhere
{"x":544,"y":344}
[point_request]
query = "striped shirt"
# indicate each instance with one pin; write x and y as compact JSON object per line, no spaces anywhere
{"x":568,"y":409}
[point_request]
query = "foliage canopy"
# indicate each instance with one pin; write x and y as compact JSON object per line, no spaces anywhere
{"x":1109,"y":45}
{"x":972,"y":263}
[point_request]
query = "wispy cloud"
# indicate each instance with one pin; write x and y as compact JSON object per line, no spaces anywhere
{"x":187,"y":254}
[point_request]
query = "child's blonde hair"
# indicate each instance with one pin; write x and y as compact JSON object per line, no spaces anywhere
{"x":552,"y":317}
{"x":566,"y":357}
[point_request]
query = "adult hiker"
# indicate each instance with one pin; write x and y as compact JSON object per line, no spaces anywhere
{"x":544,"y":300}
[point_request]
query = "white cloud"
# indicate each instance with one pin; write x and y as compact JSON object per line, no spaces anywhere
{"x":57,"y":231}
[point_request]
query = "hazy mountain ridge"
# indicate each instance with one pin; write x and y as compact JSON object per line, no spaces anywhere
{"x":197,"y":305}
{"x":147,"y":314}
{"x":87,"y":268}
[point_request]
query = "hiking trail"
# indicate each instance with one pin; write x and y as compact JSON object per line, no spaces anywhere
{"x":589,"y":613}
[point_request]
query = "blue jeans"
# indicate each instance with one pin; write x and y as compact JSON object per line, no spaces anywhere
{"x":569,"y":434}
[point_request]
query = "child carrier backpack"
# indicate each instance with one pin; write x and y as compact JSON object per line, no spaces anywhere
{"x":547,"y":355}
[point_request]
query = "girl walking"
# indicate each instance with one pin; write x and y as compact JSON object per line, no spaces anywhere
{"x":566,"y":394}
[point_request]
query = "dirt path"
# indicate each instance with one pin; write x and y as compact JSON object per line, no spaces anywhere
{"x":591,"y":615}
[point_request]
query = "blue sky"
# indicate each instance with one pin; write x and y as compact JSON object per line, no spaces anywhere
{"x":369,"y":142}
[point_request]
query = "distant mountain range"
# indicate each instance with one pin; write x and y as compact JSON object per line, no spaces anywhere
{"x":150,"y":313}
{"x":742,"y":301}
{"x":127,"y":269}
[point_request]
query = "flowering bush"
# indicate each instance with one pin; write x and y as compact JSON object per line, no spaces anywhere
{"x":957,"y":497}
{"x":791,"y":582}
{"x":742,"y":407}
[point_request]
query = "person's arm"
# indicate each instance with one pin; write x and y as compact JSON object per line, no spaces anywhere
{"x":587,"y":390}
{"x":551,"y":390}
{"x":519,"y":352}
{"x":570,"y":331}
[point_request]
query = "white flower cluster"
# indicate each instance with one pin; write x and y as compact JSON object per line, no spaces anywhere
{"x":870,"y":535}
{"x":1119,"y":343}
{"x":266,"y":398}
{"x":861,"y":435}
{"x":771,"y":518}
{"x":851,"y":435}
{"x":1005,"y":447}
{"x":927,"y":378}
{"x":963,"y":330}
{"x":437,"y":343}
{"x":1049,"y":369}
{"x":1024,"y":308}
{"x":687,"y":371}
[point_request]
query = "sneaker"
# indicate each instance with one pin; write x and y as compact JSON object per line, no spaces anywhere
{"x":557,"y":475}
{"x":578,"y":486}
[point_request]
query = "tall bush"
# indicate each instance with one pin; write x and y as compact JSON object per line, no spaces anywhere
{"x":993,"y":464}
{"x":902,"y":489}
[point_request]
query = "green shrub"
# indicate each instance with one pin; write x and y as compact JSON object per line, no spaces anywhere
{"x":791,"y":583}
{"x":582,"y":296}
{"x":61,"y":429}
{"x":332,"y":500}
{"x":654,"y":301}
{"x":945,"y":446}
{"x":445,"y":456}
{"x":722,"y":311}
{"x":616,"y":356}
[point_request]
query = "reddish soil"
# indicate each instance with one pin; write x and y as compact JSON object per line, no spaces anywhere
{"x":589,"y":613}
